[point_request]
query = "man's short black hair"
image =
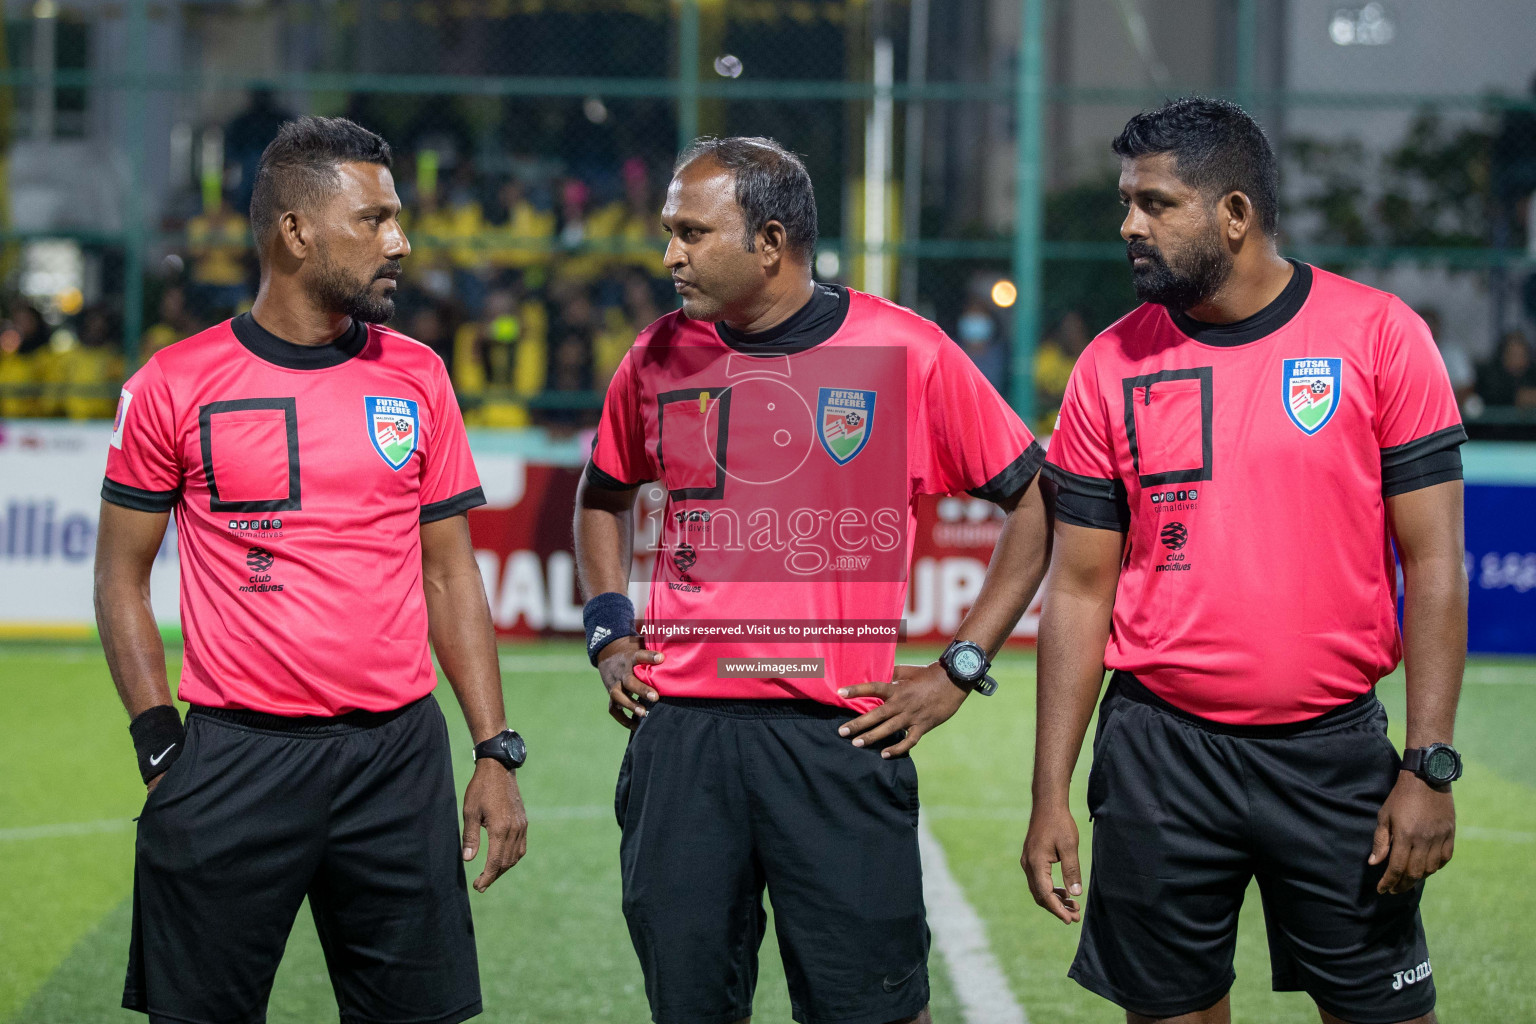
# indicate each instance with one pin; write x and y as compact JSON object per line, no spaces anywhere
{"x":299,"y":167}
{"x":771,"y":184}
{"x":1217,"y":149}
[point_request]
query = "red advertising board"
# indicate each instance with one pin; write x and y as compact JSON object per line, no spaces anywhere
{"x":524,"y":551}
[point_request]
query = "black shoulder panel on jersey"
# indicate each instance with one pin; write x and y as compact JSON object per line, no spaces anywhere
{"x":1014,"y":477}
{"x":1425,"y":471}
{"x":1423,"y":462}
{"x":1089,"y":501}
{"x":1439,"y":441}
{"x":461,"y":502}
{"x":137,"y":498}
{"x":597,"y":478}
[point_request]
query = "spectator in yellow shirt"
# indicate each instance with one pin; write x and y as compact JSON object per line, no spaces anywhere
{"x":632,"y":225}
{"x":621,"y":324}
{"x":90,"y":371}
{"x":23,"y":351}
{"x":522,"y":235}
{"x":501,"y":360}
{"x":1054,"y":359}
{"x":175,"y":324}
{"x":218,"y":241}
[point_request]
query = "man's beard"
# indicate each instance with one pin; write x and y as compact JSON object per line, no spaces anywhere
{"x":1202,"y":270}
{"x":336,"y":291}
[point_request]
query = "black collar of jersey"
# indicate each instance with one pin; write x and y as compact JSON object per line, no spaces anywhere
{"x":265,"y":345}
{"x":810,"y":325}
{"x":1263,"y":323}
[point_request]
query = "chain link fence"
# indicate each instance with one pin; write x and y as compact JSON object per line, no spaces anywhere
{"x":534,"y":140}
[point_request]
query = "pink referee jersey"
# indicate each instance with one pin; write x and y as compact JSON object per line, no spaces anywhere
{"x":1248,"y":465}
{"x":791,"y":473}
{"x":300,"y":478}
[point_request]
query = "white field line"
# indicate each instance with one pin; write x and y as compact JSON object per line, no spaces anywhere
{"x":65,"y":829}
{"x":1494,"y":835}
{"x":962,"y":941}
{"x":1501,"y":675}
{"x":545,"y":663}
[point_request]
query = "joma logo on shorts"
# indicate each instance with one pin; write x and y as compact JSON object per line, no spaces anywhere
{"x":1411,"y":976}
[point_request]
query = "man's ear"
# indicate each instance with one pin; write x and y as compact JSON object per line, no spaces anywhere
{"x":771,"y":239}
{"x":295,"y":234}
{"x":1238,"y":217}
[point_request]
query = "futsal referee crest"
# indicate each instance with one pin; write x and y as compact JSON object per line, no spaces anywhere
{"x":394,"y":427}
{"x":1311,"y":391}
{"x":844,"y":417}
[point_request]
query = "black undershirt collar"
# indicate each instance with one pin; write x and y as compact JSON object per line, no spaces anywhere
{"x":1261,"y":324}
{"x":263,"y":344}
{"x":812,"y":324}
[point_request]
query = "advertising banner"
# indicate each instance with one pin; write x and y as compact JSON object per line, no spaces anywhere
{"x":50,"y":500}
{"x":1501,"y":569}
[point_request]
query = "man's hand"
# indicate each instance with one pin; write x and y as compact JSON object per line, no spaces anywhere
{"x":917,"y":699}
{"x":1417,"y":826}
{"x":616,"y":666}
{"x":492,"y":801}
{"x":1052,"y":838}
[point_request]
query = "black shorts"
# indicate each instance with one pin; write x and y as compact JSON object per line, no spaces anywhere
{"x":358,"y":813}
{"x":1186,"y":812}
{"x":718,"y":799}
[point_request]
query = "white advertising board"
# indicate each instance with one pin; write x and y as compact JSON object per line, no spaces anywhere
{"x":50,"y":499}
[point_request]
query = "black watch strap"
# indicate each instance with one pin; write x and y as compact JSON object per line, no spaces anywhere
{"x":1417,"y":761}
{"x":983,"y":684}
{"x":505,"y":747}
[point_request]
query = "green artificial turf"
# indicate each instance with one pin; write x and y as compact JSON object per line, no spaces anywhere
{"x":552,"y":941}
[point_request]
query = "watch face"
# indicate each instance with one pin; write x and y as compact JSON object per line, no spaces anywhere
{"x":968,"y":662}
{"x":516,"y":748}
{"x":1441,"y":764}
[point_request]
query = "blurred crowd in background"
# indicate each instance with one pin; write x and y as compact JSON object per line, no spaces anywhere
{"x":530,"y":284}
{"x":532,"y":277}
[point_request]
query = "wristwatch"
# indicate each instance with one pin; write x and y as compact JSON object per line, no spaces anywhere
{"x":507,"y":747}
{"x":1437,"y":764}
{"x":967,"y":665}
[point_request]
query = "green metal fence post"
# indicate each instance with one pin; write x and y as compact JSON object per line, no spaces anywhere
{"x":688,"y":73}
{"x":136,"y":238}
{"x":1247,"y":51}
{"x":1029,"y":113}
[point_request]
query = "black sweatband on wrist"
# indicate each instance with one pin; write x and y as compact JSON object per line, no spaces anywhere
{"x":158,"y":738}
{"x":607,"y":617}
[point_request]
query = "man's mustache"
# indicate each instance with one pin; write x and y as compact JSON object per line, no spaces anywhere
{"x":390,"y":270}
{"x":1134,"y":250}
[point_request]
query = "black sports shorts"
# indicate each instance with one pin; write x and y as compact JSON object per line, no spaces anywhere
{"x":718,"y":799}
{"x":358,"y":813}
{"x":1187,"y":811}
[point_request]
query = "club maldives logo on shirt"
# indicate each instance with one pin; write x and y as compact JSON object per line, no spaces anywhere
{"x":846,"y":417}
{"x":394,"y":427}
{"x":1311,"y":391}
